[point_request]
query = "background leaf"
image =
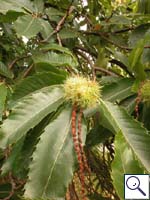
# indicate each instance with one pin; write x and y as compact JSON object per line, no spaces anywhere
{"x":4,"y":71}
{"x":27,"y":25}
{"x":55,"y":59}
{"x":3,"y":95}
{"x":16,"y":5}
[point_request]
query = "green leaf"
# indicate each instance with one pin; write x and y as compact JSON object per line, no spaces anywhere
{"x":97,"y":135}
{"x":4,"y":71}
{"x":15,"y":5}
{"x":146,"y":115}
{"x":27,"y":25}
{"x":117,"y":120}
{"x":46,"y":28}
{"x":138,"y":33}
{"x":122,"y":58}
{"x":39,"y":5}
{"x":55,"y":59}
{"x":53,"y":11}
{"x":20,"y":156}
{"x":118,"y":19}
{"x":9,"y":164}
{"x":136,"y":54}
{"x":123,"y":163}
{"x":56,"y":148}
{"x":118,"y":91}
{"x":58,"y":48}
{"x":3,"y":95}
{"x":140,"y":71}
{"x":10,"y":16}
{"x":129,"y":104}
{"x":144,"y":6}
{"x":66,"y":33}
{"x":27,"y":113}
{"x":36,"y":82}
{"x":135,"y":59}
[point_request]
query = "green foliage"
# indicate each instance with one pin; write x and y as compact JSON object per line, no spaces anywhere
{"x":118,"y":120}
{"x":27,"y":25}
{"x":124,"y":163}
{"x":29,"y":112}
{"x":42,"y":43}
{"x":3,"y":92}
{"x":4,"y":71}
{"x":60,"y":160}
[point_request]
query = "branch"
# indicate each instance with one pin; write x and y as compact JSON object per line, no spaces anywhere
{"x":61,"y":22}
{"x":107,"y":39}
{"x":85,"y":50}
{"x":105,"y":71}
{"x":83,"y":55}
{"x":28,"y":71}
{"x":96,"y":68}
{"x":110,"y":41}
{"x":120,"y":64}
{"x":10,"y":66}
{"x":123,"y":30}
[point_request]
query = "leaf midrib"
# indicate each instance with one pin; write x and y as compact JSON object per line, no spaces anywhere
{"x":57,"y":156}
{"x":132,"y":147}
{"x":118,"y":93}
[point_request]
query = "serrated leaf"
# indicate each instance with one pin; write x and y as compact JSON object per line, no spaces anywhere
{"x":46,"y":67}
{"x":138,"y":33}
{"x":118,"y":91}
{"x":66,"y":33}
{"x":57,"y":47}
{"x":27,"y":25}
{"x":53,"y":11}
{"x":20,"y":156}
{"x":123,"y":163}
{"x":56,"y":148}
{"x":46,"y":28}
{"x":15,"y":5}
{"x":9,"y":17}
{"x":55,"y":59}
{"x":136,"y":54}
{"x":135,"y":58}
{"x":3,"y":95}
{"x":118,"y":19}
{"x":4,"y":71}
{"x":39,"y":5}
{"x":117,"y":120}
{"x":122,"y":58}
{"x":9,"y":164}
{"x":36,"y":82}
{"x":27,"y":113}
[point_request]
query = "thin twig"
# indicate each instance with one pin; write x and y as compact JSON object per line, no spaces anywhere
{"x":10,"y":66}
{"x":59,"y":39}
{"x":122,"y":66}
{"x":28,"y":71}
{"x":110,"y":41}
{"x":85,"y":50}
{"x":86,"y":57}
{"x":105,"y":71}
{"x":60,"y":23}
{"x":123,"y":30}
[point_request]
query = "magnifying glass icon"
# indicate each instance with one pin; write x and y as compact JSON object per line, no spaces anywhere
{"x":133,"y":183}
